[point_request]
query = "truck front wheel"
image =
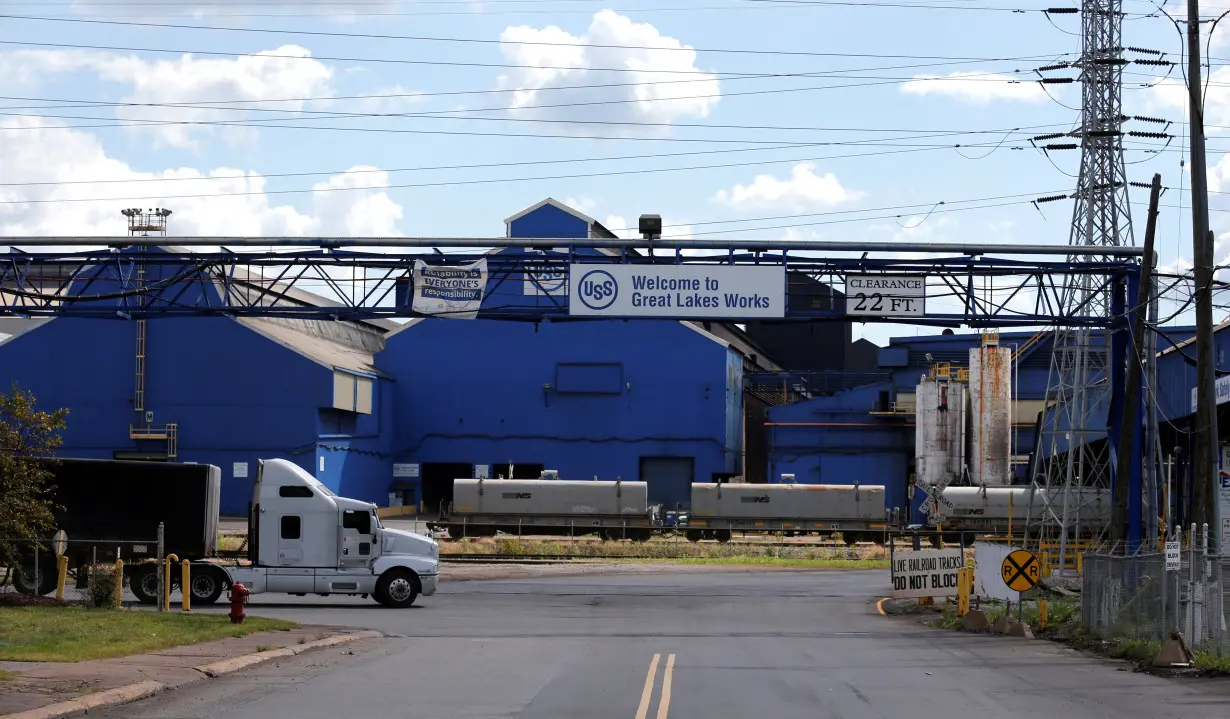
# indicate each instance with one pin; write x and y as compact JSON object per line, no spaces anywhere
{"x":397,"y":588}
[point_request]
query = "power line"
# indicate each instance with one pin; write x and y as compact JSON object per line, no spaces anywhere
{"x":453,"y":63}
{"x":571,"y":160}
{"x":481,"y":181}
{"x":449,"y":93}
{"x":458,"y":40}
{"x":449,"y":115}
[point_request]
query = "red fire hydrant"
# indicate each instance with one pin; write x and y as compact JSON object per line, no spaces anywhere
{"x":238,"y":597}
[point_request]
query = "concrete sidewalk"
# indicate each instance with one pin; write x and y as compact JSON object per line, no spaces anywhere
{"x":30,"y":686}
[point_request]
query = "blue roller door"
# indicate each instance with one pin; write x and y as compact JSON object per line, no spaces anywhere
{"x":669,"y":480}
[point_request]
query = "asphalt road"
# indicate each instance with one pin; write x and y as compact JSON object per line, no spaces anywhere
{"x":766,"y":645}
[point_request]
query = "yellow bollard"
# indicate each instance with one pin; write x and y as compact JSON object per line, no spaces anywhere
{"x":1042,"y":614}
{"x":186,"y":583}
{"x":1080,"y":565}
{"x":62,"y":574}
{"x":965,"y":583}
{"x":166,"y":583}
{"x":119,"y":583}
{"x":1046,"y":564}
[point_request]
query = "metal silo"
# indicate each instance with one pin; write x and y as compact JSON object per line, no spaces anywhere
{"x":939,"y":435}
{"x":990,"y":402}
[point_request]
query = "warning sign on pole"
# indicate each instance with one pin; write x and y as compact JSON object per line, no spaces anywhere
{"x":1021,"y":570}
{"x":929,"y":573}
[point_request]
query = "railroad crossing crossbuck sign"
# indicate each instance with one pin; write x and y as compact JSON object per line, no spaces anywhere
{"x":1021,"y":570}
{"x":936,"y":503}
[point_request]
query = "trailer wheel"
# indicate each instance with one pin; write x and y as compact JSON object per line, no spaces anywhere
{"x":144,"y":583}
{"x":722,"y":535}
{"x":456,"y":531}
{"x":397,"y":588}
{"x":205,"y":585}
{"x":24,"y":578}
{"x":694,"y":535}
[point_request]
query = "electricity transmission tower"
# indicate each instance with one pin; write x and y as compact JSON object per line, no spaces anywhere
{"x":1070,"y":453}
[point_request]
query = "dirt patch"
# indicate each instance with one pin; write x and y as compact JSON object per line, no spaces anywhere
{"x":17,"y":599}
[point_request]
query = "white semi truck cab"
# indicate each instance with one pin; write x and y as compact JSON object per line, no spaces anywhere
{"x":304,"y":539}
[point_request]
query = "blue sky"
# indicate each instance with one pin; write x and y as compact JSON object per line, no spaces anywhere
{"x":690,"y":102}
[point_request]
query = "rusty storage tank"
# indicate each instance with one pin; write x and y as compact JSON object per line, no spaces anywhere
{"x":990,"y":406}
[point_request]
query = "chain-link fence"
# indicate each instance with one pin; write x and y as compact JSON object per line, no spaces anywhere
{"x":72,"y":571}
{"x":1139,"y":597}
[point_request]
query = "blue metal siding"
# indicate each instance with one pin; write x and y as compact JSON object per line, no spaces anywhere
{"x":476,"y":391}
{"x":236,"y":395}
{"x":834,"y":440}
{"x":549,"y":221}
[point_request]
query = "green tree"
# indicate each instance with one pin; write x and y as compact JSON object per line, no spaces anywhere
{"x":26,"y":436}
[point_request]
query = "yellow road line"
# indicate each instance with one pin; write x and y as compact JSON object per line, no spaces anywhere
{"x":880,"y":606}
{"x":664,"y":704}
{"x":647,"y":693}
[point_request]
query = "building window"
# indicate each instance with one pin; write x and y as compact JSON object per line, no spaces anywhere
{"x":292,"y":526}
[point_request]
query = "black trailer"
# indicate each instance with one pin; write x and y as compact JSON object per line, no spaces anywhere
{"x":107,"y":507}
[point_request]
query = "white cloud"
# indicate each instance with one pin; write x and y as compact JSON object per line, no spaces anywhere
{"x":804,"y":190}
{"x":388,"y":100}
{"x":357,"y":212}
{"x":648,"y":89}
{"x":1218,"y":174}
{"x":584,"y":203}
{"x":1171,"y":94}
{"x":235,"y":205}
{"x":286,"y":73}
{"x":978,"y":87}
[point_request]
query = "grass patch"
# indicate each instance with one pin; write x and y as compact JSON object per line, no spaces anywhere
{"x":7,"y":676}
{"x":1212,"y":663}
{"x":1134,"y":650}
{"x":230,"y":542}
{"x":666,"y":549}
{"x":73,"y":634}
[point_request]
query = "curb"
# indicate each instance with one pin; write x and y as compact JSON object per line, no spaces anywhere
{"x":144,"y":690}
{"x":228,"y":666}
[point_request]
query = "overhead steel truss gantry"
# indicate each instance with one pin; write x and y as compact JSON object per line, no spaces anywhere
{"x":987,"y":285}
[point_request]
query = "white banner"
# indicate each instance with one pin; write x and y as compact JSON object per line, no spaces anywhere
{"x":929,"y":573}
{"x":1221,"y":388}
{"x":886,"y":295}
{"x":670,"y":291}
{"x":451,"y":291}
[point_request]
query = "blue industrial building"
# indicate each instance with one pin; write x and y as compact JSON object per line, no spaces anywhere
{"x":653,"y":400}
{"x":865,"y":433}
{"x":392,"y":413}
{"x":215,"y":390}
{"x":1176,"y":370}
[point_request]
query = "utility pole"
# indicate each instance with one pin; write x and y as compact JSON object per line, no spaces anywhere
{"x":1129,"y":430}
{"x":1205,"y":500}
